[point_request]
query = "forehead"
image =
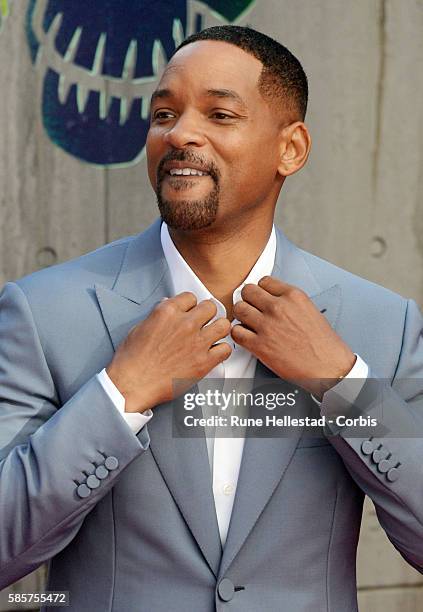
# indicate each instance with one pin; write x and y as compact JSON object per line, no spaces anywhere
{"x":210,"y":64}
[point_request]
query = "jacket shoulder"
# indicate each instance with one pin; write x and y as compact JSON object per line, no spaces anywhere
{"x":98,"y":266}
{"x":353,"y":286}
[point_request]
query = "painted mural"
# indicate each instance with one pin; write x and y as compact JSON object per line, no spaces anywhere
{"x":99,"y":62}
{"x":4,"y":12}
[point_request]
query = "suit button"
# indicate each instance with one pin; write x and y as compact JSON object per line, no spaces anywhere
{"x":83,"y":490}
{"x":93,"y":482}
{"x":384,"y":466}
{"x":111,"y":463}
{"x":101,"y":472}
{"x":226,"y":589}
{"x":393,"y":474}
{"x":367,"y":447}
{"x":379,"y":454}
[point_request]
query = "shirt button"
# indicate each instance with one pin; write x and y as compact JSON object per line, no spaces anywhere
{"x":228,"y":489}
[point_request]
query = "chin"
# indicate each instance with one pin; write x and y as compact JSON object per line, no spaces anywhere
{"x":184,"y":219}
{"x":189,"y":214}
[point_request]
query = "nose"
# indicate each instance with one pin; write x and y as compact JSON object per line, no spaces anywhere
{"x":185,"y":132}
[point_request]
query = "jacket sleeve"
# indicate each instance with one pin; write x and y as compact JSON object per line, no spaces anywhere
{"x":386,"y":460}
{"x":56,"y":461}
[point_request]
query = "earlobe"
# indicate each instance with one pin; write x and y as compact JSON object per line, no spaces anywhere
{"x":295,"y":147}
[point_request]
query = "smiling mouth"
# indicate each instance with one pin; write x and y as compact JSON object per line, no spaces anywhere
{"x":186,"y":173}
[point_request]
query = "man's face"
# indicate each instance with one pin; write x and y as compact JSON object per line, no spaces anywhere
{"x":212,"y":147}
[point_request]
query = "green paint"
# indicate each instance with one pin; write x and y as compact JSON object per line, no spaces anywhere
{"x":230,"y":10}
{"x":4,"y":11}
{"x":4,"y":8}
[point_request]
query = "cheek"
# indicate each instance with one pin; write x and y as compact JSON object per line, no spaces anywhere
{"x":252,"y":158}
{"x":154,"y":155}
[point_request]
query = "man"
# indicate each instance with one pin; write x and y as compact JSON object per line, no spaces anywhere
{"x":135,"y":518}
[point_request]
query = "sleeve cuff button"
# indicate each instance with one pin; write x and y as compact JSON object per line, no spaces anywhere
{"x":111,"y":463}
{"x":367,"y":447}
{"x":101,"y":472}
{"x":83,"y":490}
{"x":93,"y":482}
{"x":393,"y":474}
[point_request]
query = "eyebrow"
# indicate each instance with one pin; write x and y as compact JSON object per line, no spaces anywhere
{"x":160,"y":93}
{"x":211,"y":93}
{"x":225,"y":93}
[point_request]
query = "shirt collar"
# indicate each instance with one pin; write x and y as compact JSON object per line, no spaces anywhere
{"x":184,"y":278}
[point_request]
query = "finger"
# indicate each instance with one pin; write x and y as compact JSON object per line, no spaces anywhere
{"x":185,"y":300}
{"x":248,"y":315}
{"x":218,"y":353}
{"x":216,"y":331}
{"x":244,"y":337}
{"x":203,"y":312}
{"x":256,"y":296}
{"x":274,"y":285}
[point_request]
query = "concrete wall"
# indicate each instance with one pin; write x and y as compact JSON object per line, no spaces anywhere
{"x":357,"y":203}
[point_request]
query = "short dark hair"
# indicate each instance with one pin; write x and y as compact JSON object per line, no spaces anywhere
{"x":282,"y":78}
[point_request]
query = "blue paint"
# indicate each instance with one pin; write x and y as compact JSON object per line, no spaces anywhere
{"x":87,"y":136}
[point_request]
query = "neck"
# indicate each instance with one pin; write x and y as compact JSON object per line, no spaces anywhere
{"x":222,"y":259}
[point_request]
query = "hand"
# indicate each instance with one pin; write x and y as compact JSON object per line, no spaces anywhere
{"x":171,"y":343}
{"x":282,"y":327}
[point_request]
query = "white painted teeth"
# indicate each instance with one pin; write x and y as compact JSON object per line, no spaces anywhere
{"x":99,"y":55}
{"x":126,"y":88}
{"x":186,"y":172}
{"x":177,"y":32}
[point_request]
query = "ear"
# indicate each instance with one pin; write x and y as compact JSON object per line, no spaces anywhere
{"x":295,"y":144}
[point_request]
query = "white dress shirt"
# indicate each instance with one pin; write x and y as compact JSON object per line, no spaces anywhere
{"x":225,"y":453}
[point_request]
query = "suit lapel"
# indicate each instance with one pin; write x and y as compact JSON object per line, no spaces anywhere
{"x":184,"y":465}
{"x":143,"y":281}
{"x":265,"y":460}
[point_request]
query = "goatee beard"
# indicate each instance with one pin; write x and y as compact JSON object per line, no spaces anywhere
{"x":189,"y":214}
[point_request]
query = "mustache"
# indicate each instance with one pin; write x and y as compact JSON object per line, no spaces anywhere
{"x":189,"y":156}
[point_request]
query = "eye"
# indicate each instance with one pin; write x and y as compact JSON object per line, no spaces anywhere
{"x":221,"y":116}
{"x":161,"y":116}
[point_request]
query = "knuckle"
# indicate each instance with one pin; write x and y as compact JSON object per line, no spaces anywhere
{"x":211,"y":306}
{"x":189,"y":325}
{"x":223,"y":325}
{"x":191,"y":295}
{"x":199,"y":361}
{"x":167,"y":307}
{"x":297,"y":294}
{"x":275,"y":307}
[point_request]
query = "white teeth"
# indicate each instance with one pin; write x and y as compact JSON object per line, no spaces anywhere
{"x":130,"y":62}
{"x":99,"y":56}
{"x":73,"y":46}
{"x":63,"y":89}
{"x":158,"y":57}
{"x":186,"y":172}
{"x":177,"y":32}
{"x":82,"y":95}
{"x":126,"y":88}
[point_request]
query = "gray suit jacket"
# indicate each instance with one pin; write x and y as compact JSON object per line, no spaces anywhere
{"x":143,"y":535}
